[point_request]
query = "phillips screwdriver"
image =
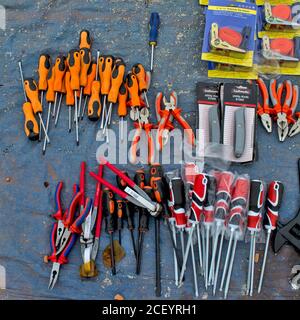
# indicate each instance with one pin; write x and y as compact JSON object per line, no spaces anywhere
{"x":31,"y":126}
{"x":43,"y":71}
{"x":87,"y":91}
{"x":60,"y":70}
{"x":94,"y":105}
{"x":133,"y":91}
{"x":85,"y":62}
{"x":70,"y":101}
{"x":105,"y":71}
{"x":108,"y":204}
{"x":63,"y":92}
{"x":50,"y":96}
{"x":85,"y":40}
{"x":256,"y":202}
{"x":122,"y":107}
{"x":140,"y":73}
{"x":154,"y":26}
{"x":117,"y":77}
{"x":274,"y":199}
{"x":120,"y":210}
{"x":73,"y":60}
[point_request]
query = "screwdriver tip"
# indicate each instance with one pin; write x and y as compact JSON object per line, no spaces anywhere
{"x":77,"y":143}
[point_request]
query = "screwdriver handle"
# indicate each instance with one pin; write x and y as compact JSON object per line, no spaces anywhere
{"x":94,"y":105}
{"x":256,"y":202}
{"x":208,"y":208}
{"x":156,"y":170}
{"x":190,"y":172}
{"x":73,"y":60}
{"x":117,"y":77}
{"x":70,"y":100}
{"x":50,"y":94}
{"x":32,"y":93}
{"x":177,"y":202}
{"x":90,"y":78}
{"x":43,"y":71}
{"x":139,"y":71}
{"x":85,"y":40}
{"x":120,"y":210}
{"x":60,"y":68}
{"x":133,"y":89}
{"x":154,"y":26}
{"x":122,"y":100}
{"x":85,"y":61}
{"x":129,"y":216}
{"x":31,"y":126}
{"x":105,"y":71}
{"x":274,"y":200}
{"x":108,"y":204}
{"x":198,"y":197}
{"x":121,"y":182}
{"x":139,"y":178}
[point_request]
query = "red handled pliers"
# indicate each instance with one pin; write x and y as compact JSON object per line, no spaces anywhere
{"x":263,"y":109}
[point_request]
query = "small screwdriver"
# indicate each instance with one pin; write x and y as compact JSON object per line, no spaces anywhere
{"x":85,"y":62}
{"x":62,"y":93}
{"x":50,"y":96}
{"x":140,"y":73}
{"x":133,"y":90}
{"x":122,"y":108}
{"x":70,"y":101}
{"x":94,"y":105}
{"x":87,"y":91}
{"x":85,"y":40}
{"x":105,"y":71}
{"x":154,"y":26}
{"x":120,"y":209}
{"x":43,"y":70}
{"x":73,"y":60}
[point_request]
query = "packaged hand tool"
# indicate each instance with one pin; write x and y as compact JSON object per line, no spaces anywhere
{"x":229,"y":33}
{"x":227,"y":71}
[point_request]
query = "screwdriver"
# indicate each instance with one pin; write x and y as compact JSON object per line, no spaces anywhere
{"x":87,"y":91}
{"x":140,"y":73}
{"x":274,"y":199}
{"x":133,"y":90}
{"x":85,"y":62}
{"x":50,"y":96}
{"x":256,"y":202}
{"x":63,"y":92}
{"x":85,"y":40}
{"x":117,"y":77}
{"x":43,"y":71}
{"x":120,"y":208}
{"x":94,"y":105}
{"x":108,"y":204}
{"x":154,"y":26}
{"x":70,"y":101}
{"x":60,"y":70}
{"x":73,"y":60}
{"x":122,"y":108}
{"x":105,"y":71}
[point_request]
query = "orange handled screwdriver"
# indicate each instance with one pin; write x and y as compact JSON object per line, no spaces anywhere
{"x":85,"y":62}
{"x":87,"y":91}
{"x":105,"y":71}
{"x":139,"y":71}
{"x":85,"y":40}
{"x":133,"y":90}
{"x":94,"y":106}
{"x":43,"y":70}
{"x":50,"y":97}
{"x":73,"y":60}
{"x":63,"y":91}
{"x":122,"y":108}
{"x":60,"y":70}
{"x":117,"y":77}
{"x":70,"y":101}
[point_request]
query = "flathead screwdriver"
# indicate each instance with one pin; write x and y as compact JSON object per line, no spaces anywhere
{"x":154,"y":26}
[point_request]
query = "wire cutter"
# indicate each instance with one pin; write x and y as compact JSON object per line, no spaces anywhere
{"x":166,"y":115}
{"x":263,"y":109}
{"x":283,"y":110}
{"x":142,"y":124}
{"x":132,"y":192}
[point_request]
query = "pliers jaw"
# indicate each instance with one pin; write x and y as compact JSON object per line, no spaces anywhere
{"x":295,"y":129}
{"x":54,"y":275}
{"x":267,"y":122}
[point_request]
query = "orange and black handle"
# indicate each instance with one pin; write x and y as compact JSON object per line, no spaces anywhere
{"x":117,"y":77}
{"x":50,"y":95}
{"x":122,"y":184}
{"x":31,"y":126}
{"x":85,"y":62}
{"x":133,"y":89}
{"x":91,"y":74}
{"x":105,"y":71}
{"x":85,"y":40}
{"x":73,"y":60}
{"x":120,"y":212}
{"x":43,"y":71}
{"x":60,"y":70}
{"x":32,"y":93}
{"x":139,"y":71}
{"x":70,"y":100}
{"x":122,"y":100}
{"x":94,"y":106}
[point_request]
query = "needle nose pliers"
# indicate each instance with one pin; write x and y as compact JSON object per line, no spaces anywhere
{"x":263,"y":109}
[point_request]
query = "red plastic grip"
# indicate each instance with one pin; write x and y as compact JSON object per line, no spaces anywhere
{"x":257,"y":195}
{"x":82,"y":182}
{"x":99,"y":204}
{"x":198,"y":196}
{"x":98,"y":187}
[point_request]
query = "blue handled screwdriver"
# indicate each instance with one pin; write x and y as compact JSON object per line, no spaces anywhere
{"x":154,"y":25}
